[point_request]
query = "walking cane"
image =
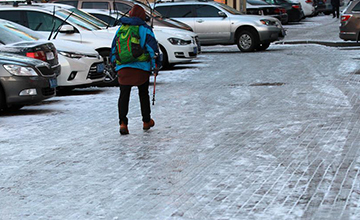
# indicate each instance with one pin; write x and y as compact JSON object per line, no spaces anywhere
{"x":153,"y":98}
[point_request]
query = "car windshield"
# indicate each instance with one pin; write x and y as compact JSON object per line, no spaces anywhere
{"x":229,"y":9}
{"x":256,"y":2}
{"x":88,"y":17}
{"x":12,"y":33}
{"x":77,"y":20}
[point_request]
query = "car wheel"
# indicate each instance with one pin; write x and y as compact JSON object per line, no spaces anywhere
{"x":2,"y":100}
{"x":165,"y":62}
{"x":111,"y":76}
{"x":247,"y":41}
{"x":263,"y":46}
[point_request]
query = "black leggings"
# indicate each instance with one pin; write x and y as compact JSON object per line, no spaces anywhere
{"x":124,"y":98}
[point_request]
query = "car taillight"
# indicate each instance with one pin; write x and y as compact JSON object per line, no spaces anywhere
{"x":345,"y":18}
{"x":277,"y":10}
{"x":296,"y":6}
{"x":40,"y":55}
{"x":309,"y":1}
{"x":283,"y":10}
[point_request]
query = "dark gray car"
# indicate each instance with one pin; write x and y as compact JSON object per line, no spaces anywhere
{"x":24,"y":81}
{"x":349,"y":24}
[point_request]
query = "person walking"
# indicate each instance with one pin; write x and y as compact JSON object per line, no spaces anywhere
{"x":335,"y":8}
{"x":135,"y":39}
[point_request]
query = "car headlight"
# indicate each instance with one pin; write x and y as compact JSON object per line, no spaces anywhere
{"x":178,"y":41}
{"x":267,"y":22}
{"x":71,"y":54}
{"x":17,"y":70}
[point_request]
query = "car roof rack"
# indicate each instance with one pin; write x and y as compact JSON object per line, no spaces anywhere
{"x":15,"y":3}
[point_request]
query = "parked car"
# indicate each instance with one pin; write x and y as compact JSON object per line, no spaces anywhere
{"x":41,"y":50}
{"x":44,"y":18}
{"x":164,"y":29}
{"x":307,"y":7}
{"x":80,"y":66}
{"x":293,"y":9}
{"x":24,"y":81}
{"x":349,"y":23}
{"x":217,"y":23}
{"x":259,"y":7}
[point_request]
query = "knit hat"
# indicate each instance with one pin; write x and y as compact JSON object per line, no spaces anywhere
{"x":137,"y":11}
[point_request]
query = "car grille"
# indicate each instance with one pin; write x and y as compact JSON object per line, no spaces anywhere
{"x":48,"y":91}
{"x":93,"y":74}
{"x":45,"y":71}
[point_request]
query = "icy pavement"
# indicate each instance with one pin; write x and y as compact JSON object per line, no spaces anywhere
{"x":266,"y":135}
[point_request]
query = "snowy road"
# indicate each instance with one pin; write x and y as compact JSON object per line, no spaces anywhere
{"x":265,"y":135}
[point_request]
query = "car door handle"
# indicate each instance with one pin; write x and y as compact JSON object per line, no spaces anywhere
{"x":200,"y":21}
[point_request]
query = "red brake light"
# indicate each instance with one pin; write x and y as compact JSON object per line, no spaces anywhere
{"x":296,"y":6}
{"x":40,"y":55}
{"x":308,"y":1}
{"x":345,"y":17}
{"x":277,"y":10}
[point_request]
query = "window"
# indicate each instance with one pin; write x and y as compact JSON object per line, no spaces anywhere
{"x":179,"y":11}
{"x":207,"y":11}
{"x":95,"y":5}
{"x":13,"y":16}
{"x":107,"y":19}
{"x":356,"y":7}
{"x":72,"y":3}
{"x":122,"y":7}
{"x":39,"y":21}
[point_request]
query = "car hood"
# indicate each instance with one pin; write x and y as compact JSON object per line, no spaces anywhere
{"x":176,"y":32}
{"x":18,"y":59}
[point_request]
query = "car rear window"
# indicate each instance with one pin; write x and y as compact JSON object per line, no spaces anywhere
{"x":356,"y":7}
{"x":122,"y":7}
{"x":12,"y":34}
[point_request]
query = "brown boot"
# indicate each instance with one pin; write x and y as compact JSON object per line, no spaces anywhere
{"x":123,"y":128}
{"x":148,"y":125}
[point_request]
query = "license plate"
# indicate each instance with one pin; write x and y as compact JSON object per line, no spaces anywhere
{"x":53,"y":83}
{"x":50,"y":56}
{"x":100,"y":68}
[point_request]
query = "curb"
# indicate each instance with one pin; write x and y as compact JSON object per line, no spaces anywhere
{"x":325,"y":43}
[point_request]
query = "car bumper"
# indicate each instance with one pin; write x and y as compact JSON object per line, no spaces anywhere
{"x":15,"y":89}
{"x":348,"y":35}
{"x":182,"y":53}
{"x":284,"y":18}
{"x":80,"y":72}
{"x":271,"y":33}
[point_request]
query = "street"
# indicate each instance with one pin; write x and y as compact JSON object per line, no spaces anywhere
{"x":263,"y":135}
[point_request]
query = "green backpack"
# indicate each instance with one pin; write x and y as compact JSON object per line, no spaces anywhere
{"x":128,"y":48}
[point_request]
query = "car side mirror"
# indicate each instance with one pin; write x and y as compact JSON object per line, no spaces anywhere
{"x":67,"y":29}
{"x":222,"y":14}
